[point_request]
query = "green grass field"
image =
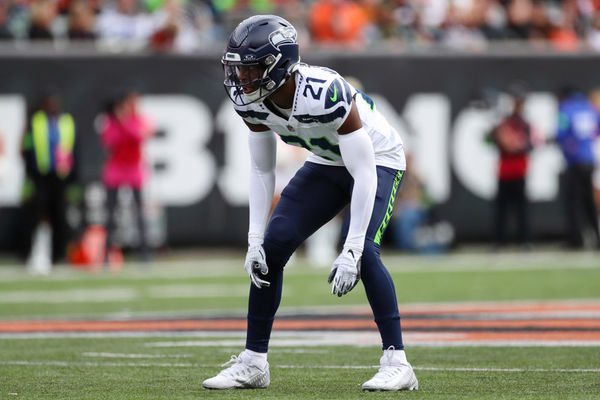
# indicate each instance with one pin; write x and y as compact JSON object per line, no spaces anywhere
{"x":64,"y":369}
{"x":140,"y":367}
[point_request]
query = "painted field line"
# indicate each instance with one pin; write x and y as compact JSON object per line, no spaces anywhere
{"x":237,"y":349}
{"x":415,"y":343}
{"x":506,"y":343}
{"x":103,"y":364}
{"x":213,"y":266}
{"x":520,"y":306}
{"x":127,"y":355}
{"x":69,"y":296}
{"x":486,"y":261}
{"x":217,"y":266}
{"x":589,"y":308}
{"x":291,"y":339}
{"x":123,"y":294}
{"x":474,"y":369}
{"x":174,"y":291}
{"x":193,"y":365}
{"x":443,"y":369}
{"x":123,"y":334}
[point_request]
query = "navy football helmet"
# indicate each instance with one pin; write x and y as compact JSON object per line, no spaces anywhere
{"x":260,"y":56}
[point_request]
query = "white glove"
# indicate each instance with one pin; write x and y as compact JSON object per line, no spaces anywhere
{"x":345,"y":272}
{"x":255,"y":263}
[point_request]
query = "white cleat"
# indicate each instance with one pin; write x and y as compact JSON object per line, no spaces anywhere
{"x":242,"y":374}
{"x":394,"y":374}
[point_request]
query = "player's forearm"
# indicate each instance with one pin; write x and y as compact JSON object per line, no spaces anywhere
{"x":359,"y":158}
{"x":262,"y":148}
{"x":262,"y":187}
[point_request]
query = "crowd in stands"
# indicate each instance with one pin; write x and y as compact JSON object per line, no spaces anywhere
{"x":190,"y":25}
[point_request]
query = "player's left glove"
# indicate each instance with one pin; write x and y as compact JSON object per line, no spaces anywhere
{"x":256,"y":263}
{"x":345,"y":272}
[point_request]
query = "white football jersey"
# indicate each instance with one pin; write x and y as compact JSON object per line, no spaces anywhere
{"x":322,"y":103}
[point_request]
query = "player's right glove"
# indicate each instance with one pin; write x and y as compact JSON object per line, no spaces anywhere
{"x":345,"y":272}
{"x":256,"y":263}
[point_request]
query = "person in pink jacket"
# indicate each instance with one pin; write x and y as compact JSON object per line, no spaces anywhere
{"x":123,"y":133}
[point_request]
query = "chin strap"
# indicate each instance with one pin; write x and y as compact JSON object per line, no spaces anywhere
{"x":259,"y":96}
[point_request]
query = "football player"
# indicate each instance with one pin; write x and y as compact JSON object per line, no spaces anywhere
{"x":356,"y":157}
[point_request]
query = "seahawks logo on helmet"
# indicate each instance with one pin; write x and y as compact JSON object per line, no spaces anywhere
{"x":284,"y":35}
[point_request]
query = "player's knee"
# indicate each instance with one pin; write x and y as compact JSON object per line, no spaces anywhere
{"x":282,"y":232}
{"x":370,"y":258}
{"x":280,"y":242}
{"x":370,"y":252}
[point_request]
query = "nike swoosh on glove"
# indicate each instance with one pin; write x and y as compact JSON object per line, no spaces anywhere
{"x":256,"y":263}
{"x":345,"y":272}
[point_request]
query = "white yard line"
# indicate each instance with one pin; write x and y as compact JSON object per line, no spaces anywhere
{"x":123,"y":294}
{"x":507,"y":343}
{"x":471,"y":369}
{"x":193,"y":365}
{"x":491,"y":309}
{"x":443,"y":369}
{"x":127,"y":355}
{"x":332,"y":339}
{"x":163,"y":269}
{"x":69,"y":296}
{"x":204,"y":266}
{"x":294,"y":339}
{"x":233,"y":350}
{"x":375,"y":341}
{"x":122,"y":334}
{"x":173,"y":291}
{"x":103,"y":364}
{"x":494,"y":305}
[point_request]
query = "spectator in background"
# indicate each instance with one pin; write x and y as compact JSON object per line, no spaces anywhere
{"x":387,"y":19}
{"x":163,"y":40}
{"x":512,"y":137}
{"x":48,"y":145}
{"x":562,"y":35}
{"x":578,"y":127}
{"x":519,"y":14}
{"x":2,"y":158}
{"x":540,"y":25}
{"x":176,"y":30}
{"x":464,"y":26}
{"x":411,"y":212}
{"x":97,"y":6}
{"x":5,"y":33}
{"x":43,"y":15}
{"x":123,"y":21}
{"x":593,"y":36}
{"x":457,"y":24}
{"x":123,"y":134}
{"x":415,"y":227}
{"x":81,"y":21}
{"x":338,"y":22}
{"x":595,"y":100}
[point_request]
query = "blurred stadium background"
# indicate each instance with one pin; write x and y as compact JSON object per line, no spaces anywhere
{"x":440,"y":70}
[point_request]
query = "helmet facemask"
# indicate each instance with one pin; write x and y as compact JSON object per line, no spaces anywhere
{"x":250,"y":80}
{"x":260,"y":57}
